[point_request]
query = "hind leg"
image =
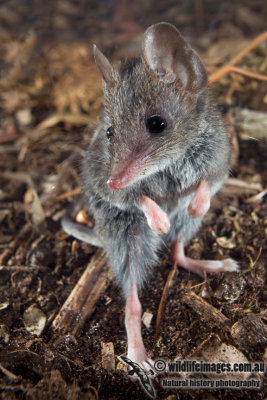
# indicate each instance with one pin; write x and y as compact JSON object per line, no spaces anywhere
{"x":198,"y":207}
{"x":131,"y":252}
{"x":200,"y":266}
{"x":133,"y":313}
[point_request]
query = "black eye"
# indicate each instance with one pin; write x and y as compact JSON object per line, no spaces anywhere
{"x":155,"y":124}
{"x":110,"y":132}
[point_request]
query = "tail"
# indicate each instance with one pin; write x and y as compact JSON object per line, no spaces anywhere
{"x":79,"y":231}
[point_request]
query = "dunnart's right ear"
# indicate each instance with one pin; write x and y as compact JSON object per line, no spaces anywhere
{"x":104,"y":67}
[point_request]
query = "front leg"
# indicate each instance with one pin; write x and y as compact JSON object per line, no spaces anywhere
{"x":200,"y":203}
{"x":157,"y":219}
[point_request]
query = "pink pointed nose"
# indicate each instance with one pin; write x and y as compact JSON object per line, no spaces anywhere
{"x":115,"y":183}
{"x":126,"y":171}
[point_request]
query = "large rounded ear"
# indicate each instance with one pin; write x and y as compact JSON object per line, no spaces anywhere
{"x":172,"y":58}
{"x":103,"y":66}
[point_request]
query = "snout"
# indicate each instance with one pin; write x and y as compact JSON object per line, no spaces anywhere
{"x":127,"y":171}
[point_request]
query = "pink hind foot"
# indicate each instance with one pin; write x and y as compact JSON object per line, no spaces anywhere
{"x":200,"y":266}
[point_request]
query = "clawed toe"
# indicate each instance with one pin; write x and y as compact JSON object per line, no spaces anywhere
{"x":148,"y":365}
{"x":230,"y":265}
{"x":136,"y":364}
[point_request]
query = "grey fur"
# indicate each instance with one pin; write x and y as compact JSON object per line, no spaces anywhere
{"x":194,"y":146}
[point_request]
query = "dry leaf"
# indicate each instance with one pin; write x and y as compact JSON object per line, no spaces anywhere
{"x":227,"y":243}
{"x":34,"y":320}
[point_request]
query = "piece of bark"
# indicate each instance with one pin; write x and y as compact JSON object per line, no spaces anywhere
{"x":82,"y":301}
{"x":206,"y":311}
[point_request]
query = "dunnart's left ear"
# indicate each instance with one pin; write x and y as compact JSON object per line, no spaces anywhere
{"x":172,"y":58}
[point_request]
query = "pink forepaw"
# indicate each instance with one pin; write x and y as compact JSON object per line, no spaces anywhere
{"x":157,"y":219}
{"x":200,"y":203}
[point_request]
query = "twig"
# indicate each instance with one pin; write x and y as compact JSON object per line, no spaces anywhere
{"x":21,"y":268}
{"x":254,"y":262}
{"x":54,"y":119}
{"x":163,"y":299}
{"x":238,"y":183}
{"x":82,"y":300}
{"x":257,"y":198}
{"x":227,"y":68}
{"x":74,"y":192}
{"x":248,"y":73}
{"x":94,"y":391}
{"x":9,"y":374}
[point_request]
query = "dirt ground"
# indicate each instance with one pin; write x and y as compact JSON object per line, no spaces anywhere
{"x":50,"y":102}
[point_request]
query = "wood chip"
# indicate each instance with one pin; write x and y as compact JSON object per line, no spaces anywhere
{"x":147,"y":318}
{"x":108,"y":357}
{"x":205,"y":310}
